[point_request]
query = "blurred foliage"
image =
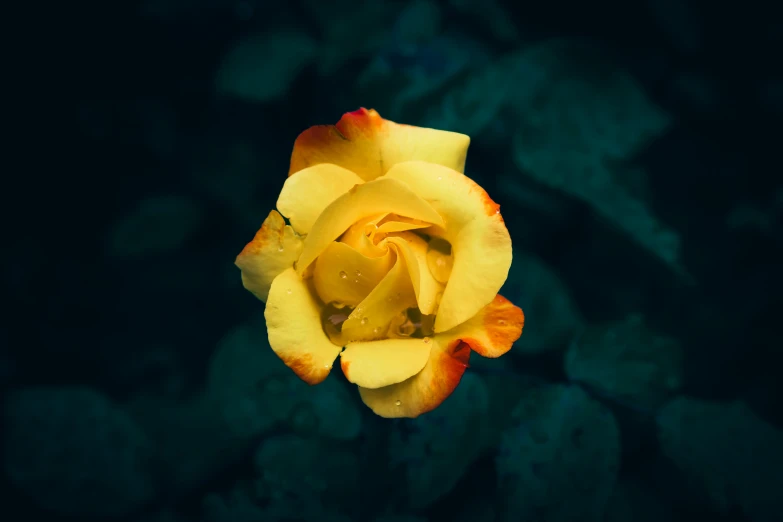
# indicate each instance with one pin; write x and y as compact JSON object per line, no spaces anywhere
{"x":633,"y":149}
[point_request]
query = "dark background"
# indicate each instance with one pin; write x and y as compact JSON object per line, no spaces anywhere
{"x":147,"y":158}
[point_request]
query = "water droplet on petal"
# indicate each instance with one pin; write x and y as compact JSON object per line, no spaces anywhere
{"x":440,"y":178}
{"x":358,"y":273}
{"x":440,"y":259}
{"x":364,"y":320}
{"x":501,"y":322}
{"x":427,"y":340}
{"x":343,"y":275}
{"x":376,"y":330}
{"x":289,"y":291}
{"x":398,"y":402}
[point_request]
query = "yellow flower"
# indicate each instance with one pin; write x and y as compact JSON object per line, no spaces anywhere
{"x":392,"y":261}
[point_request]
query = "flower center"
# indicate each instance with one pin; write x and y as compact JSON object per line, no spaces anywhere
{"x":348,"y":272}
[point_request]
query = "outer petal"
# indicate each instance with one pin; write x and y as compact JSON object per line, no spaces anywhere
{"x":493,"y":330}
{"x":491,"y":333}
{"x":309,"y":192}
{"x":293,"y":320}
{"x":480,"y":241}
{"x":383,"y":363}
{"x":372,"y":198}
{"x":368,"y":145}
{"x":426,"y":390}
{"x":414,"y":250}
{"x":274,"y":248}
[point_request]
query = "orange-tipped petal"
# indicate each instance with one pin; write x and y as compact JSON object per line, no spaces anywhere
{"x":426,"y":390}
{"x":382,"y":363}
{"x":293,"y":321}
{"x":369,"y":145}
{"x":480,"y":242}
{"x":491,"y":333}
{"x":493,"y":330}
{"x":274,"y":248}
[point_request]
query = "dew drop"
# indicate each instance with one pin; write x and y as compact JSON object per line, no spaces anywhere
{"x":355,"y":280}
{"x":501,"y":322}
{"x":376,"y":330}
{"x":427,"y":340}
{"x":364,"y":320}
{"x":288,"y":291}
{"x":440,"y":178}
{"x":343,"y":275}
{"x":280,"y":248}
{"x":398,"y":402}
{"x":358,"y":273}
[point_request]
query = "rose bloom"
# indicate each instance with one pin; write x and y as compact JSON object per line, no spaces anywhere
{"x":392,"y":261}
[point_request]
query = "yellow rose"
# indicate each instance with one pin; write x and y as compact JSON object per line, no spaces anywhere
{"x":392,"y":260}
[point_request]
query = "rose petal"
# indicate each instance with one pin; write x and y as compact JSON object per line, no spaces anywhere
{"x":369,"y":199}
{"x":426,"y":390}
{"x":343,"y":274}
{"x":368,"y":145}
{"x":414,"y":251}
{"x":306,"y":194}
{"x":293,"y":321}
{"x":390,"y":227}
{"x":491,"y":333}
{"x":383,"y":363}
{"x":274,"y":248}
{"x":480,"y":242}
{"x":392,"y":296}
{"x":493,"y":330}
